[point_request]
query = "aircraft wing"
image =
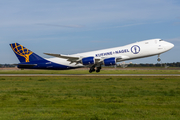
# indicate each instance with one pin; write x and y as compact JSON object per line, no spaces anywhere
{"x":119,"y":58}
{"x":77,"y":59}
{"x":68,"y":57}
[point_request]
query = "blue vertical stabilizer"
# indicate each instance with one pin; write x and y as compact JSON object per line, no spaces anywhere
{"x":24,"y":54}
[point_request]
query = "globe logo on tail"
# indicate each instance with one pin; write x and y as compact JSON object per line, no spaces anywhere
{"x":21,"y":51}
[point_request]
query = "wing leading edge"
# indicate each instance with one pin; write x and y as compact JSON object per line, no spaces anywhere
{"x":68,"y":57}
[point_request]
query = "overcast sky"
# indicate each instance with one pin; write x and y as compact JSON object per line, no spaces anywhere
{"x":67,"y":27}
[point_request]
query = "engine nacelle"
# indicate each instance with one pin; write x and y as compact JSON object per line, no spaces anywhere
{"x":109,"y":61}
{"x":88,"y":61}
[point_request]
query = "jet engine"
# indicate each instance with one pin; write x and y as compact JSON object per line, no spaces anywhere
{"x":109,"y":61}
{"x":88,"y":61}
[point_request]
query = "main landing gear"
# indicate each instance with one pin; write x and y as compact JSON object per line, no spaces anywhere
{"x":92,"y":69}
{"x":98,"y":69}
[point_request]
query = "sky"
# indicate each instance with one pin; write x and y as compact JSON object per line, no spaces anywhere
{"x":69,"y":26}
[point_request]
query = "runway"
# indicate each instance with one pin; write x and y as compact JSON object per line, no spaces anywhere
{"x":93,"y":75}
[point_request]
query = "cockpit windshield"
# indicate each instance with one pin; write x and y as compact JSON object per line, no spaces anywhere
{"x":161,"y":40}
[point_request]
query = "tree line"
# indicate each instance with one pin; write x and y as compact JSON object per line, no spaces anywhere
{"x":174,"y":64}
{"x":7,"y":65}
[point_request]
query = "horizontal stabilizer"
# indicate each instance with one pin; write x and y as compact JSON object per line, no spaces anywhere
{"x":25,"y":65}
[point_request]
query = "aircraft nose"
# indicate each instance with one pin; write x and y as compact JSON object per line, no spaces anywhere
{"x":169,"y":46}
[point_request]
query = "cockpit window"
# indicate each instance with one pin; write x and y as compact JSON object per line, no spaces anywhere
{"x":160,"y":40}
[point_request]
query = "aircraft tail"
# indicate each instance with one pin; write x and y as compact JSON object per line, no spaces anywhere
{"x":24,"y":54}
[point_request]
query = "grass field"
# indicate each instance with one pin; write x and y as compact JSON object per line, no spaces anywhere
{"x":90,"y":98}
{"x":103,"y":71}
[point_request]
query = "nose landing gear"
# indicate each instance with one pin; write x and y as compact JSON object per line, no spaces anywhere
{"x":159,"y":59}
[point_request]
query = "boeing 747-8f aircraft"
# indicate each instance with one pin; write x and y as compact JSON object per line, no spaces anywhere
{"x":94,"y":59}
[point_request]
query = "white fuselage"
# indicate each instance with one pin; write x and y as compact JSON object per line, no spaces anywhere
{"x":132,"y":51}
